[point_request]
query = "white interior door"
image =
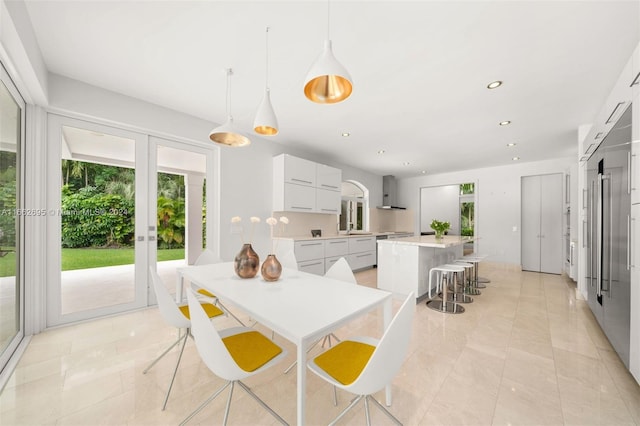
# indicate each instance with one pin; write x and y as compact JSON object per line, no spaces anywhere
{"x":551,"y":224}
{"x":530,"y":223}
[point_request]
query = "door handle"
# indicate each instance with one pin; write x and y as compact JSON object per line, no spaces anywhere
{"x":152,"y":238}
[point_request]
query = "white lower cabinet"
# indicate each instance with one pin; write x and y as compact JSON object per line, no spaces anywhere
{"x":362,"y":252}
{"x":316,"y":256}
{"x":312,"y":266}
{"x":329,"y":261}
{"x":362,"y":260}
{"x":308,"y":250}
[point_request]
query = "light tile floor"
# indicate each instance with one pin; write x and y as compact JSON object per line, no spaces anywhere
{"x":526,"y":352}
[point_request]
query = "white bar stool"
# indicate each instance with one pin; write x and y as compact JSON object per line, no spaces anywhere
{"x":444,"y":306}
{"x":475,"y":260}
{"x":460,"y":279}
{"x":469,"y":288}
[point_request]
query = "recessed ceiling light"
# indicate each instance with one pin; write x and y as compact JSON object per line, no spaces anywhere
{"x":346,"y":134}
{"x":494,"y":84}
{"x":505,"y":123}
{"x":515,"y":158}
{"x":406,"y":163}
{"x":511,"y":144}
{"x":381,"y":151}
{"x":424,"y":172}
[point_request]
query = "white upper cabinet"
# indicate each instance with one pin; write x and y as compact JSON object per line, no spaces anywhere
{"x":328,"y":178}
{"x":304,"y":186}
{"x":328,"y":201}
{"x":298,"y":170}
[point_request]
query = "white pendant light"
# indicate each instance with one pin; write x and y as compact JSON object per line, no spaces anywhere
{"x":328,"y":82}
{"x":227,"y":134}
{"x":266,"y":122}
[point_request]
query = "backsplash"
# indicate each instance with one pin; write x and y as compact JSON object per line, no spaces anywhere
{"x":301,"y":224}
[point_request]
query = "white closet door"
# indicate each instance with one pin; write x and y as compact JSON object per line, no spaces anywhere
{"x":551,"y":223}
{"x":530,"y":226}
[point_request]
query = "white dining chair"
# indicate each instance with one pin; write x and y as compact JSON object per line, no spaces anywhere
{"x":364,"y":365}
{"x":340,"y":271}
{"x":179,"y":317}
{"x":232,"y":354}
{"x":288,"y":260}
{"x":208,"y":257}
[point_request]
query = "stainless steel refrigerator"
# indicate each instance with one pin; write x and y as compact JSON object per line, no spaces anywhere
{"x":608,"y":271}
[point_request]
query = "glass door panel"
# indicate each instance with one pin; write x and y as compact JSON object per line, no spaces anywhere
{"x":99,"y":206}
{"x":11,"y":137}
{"x":180,"y":215}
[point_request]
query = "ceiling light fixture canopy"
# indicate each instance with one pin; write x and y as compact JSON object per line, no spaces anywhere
{"x":227,"y":134}
{"x":266,"y":122}
{"x":328,"y":82}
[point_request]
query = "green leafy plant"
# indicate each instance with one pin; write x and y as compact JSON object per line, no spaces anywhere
{"x":440,"y":226}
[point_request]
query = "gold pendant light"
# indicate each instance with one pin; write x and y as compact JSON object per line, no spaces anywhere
{"x":227,"y":134}
{"x":328,"y":82}
{"x":266,"y":122}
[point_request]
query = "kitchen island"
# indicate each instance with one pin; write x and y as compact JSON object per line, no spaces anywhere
{"x":404,"y":264}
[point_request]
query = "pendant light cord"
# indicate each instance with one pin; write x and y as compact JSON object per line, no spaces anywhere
{"x":328,"y":19}
{"x":229,"y":72}
{"x":266,"y":65}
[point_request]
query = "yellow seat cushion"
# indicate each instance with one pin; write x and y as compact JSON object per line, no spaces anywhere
{"x":345,"y":361}
{"x":207,"y":293}
{"x":209,"y":309}
{"x":251,"y":350}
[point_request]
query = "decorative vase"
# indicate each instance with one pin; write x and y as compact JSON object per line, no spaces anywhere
{"x":246,"y":262}
{"x":271,"y":268}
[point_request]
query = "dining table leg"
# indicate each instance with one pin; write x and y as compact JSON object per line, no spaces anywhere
{"x":302,"y":381}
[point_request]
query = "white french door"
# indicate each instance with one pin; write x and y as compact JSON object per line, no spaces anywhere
{"x":116,"y":199}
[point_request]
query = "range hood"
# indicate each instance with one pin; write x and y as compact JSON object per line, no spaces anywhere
{"x":389,"y":193}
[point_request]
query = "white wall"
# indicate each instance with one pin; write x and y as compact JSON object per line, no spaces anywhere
{"x":498,"y":202}
{"x":245,"y":174}
{"x":441,"y":203}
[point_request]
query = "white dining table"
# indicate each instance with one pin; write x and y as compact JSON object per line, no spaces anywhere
{"x":301,"y":307}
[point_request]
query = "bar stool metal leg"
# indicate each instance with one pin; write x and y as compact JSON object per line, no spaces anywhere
{"x":444,"y":305}
{"x":458,"y":295}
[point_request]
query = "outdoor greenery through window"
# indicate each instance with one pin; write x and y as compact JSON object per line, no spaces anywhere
{"x":467,"y":210}
{"x":98,"y":214}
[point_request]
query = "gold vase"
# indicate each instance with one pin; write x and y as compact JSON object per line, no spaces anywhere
{"x":246,"y":262}
{"x":271,"y":268}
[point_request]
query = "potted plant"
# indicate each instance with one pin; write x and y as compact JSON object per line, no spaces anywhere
{"x":440,"y":227}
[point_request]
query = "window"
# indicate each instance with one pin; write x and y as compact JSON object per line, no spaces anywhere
{"x":467,"y":211}
{"x":354,"y":207}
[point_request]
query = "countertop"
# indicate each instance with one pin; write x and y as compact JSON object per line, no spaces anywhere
{"x":430,"y":241}
{"x":352,"y":235}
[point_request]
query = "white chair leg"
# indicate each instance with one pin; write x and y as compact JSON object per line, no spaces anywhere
{"x":346,"y":410}
{"x":175,"y":370}
{"x":366,"y":410}
{"x":204,"y":404}
{"x":228,"y":406}
{"x":261,"y":402}
{"x":384,"y":410}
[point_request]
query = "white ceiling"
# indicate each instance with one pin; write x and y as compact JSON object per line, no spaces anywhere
{"x":420,"y":70}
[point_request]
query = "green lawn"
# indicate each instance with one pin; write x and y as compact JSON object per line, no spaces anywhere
{"x":91,"y":258}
